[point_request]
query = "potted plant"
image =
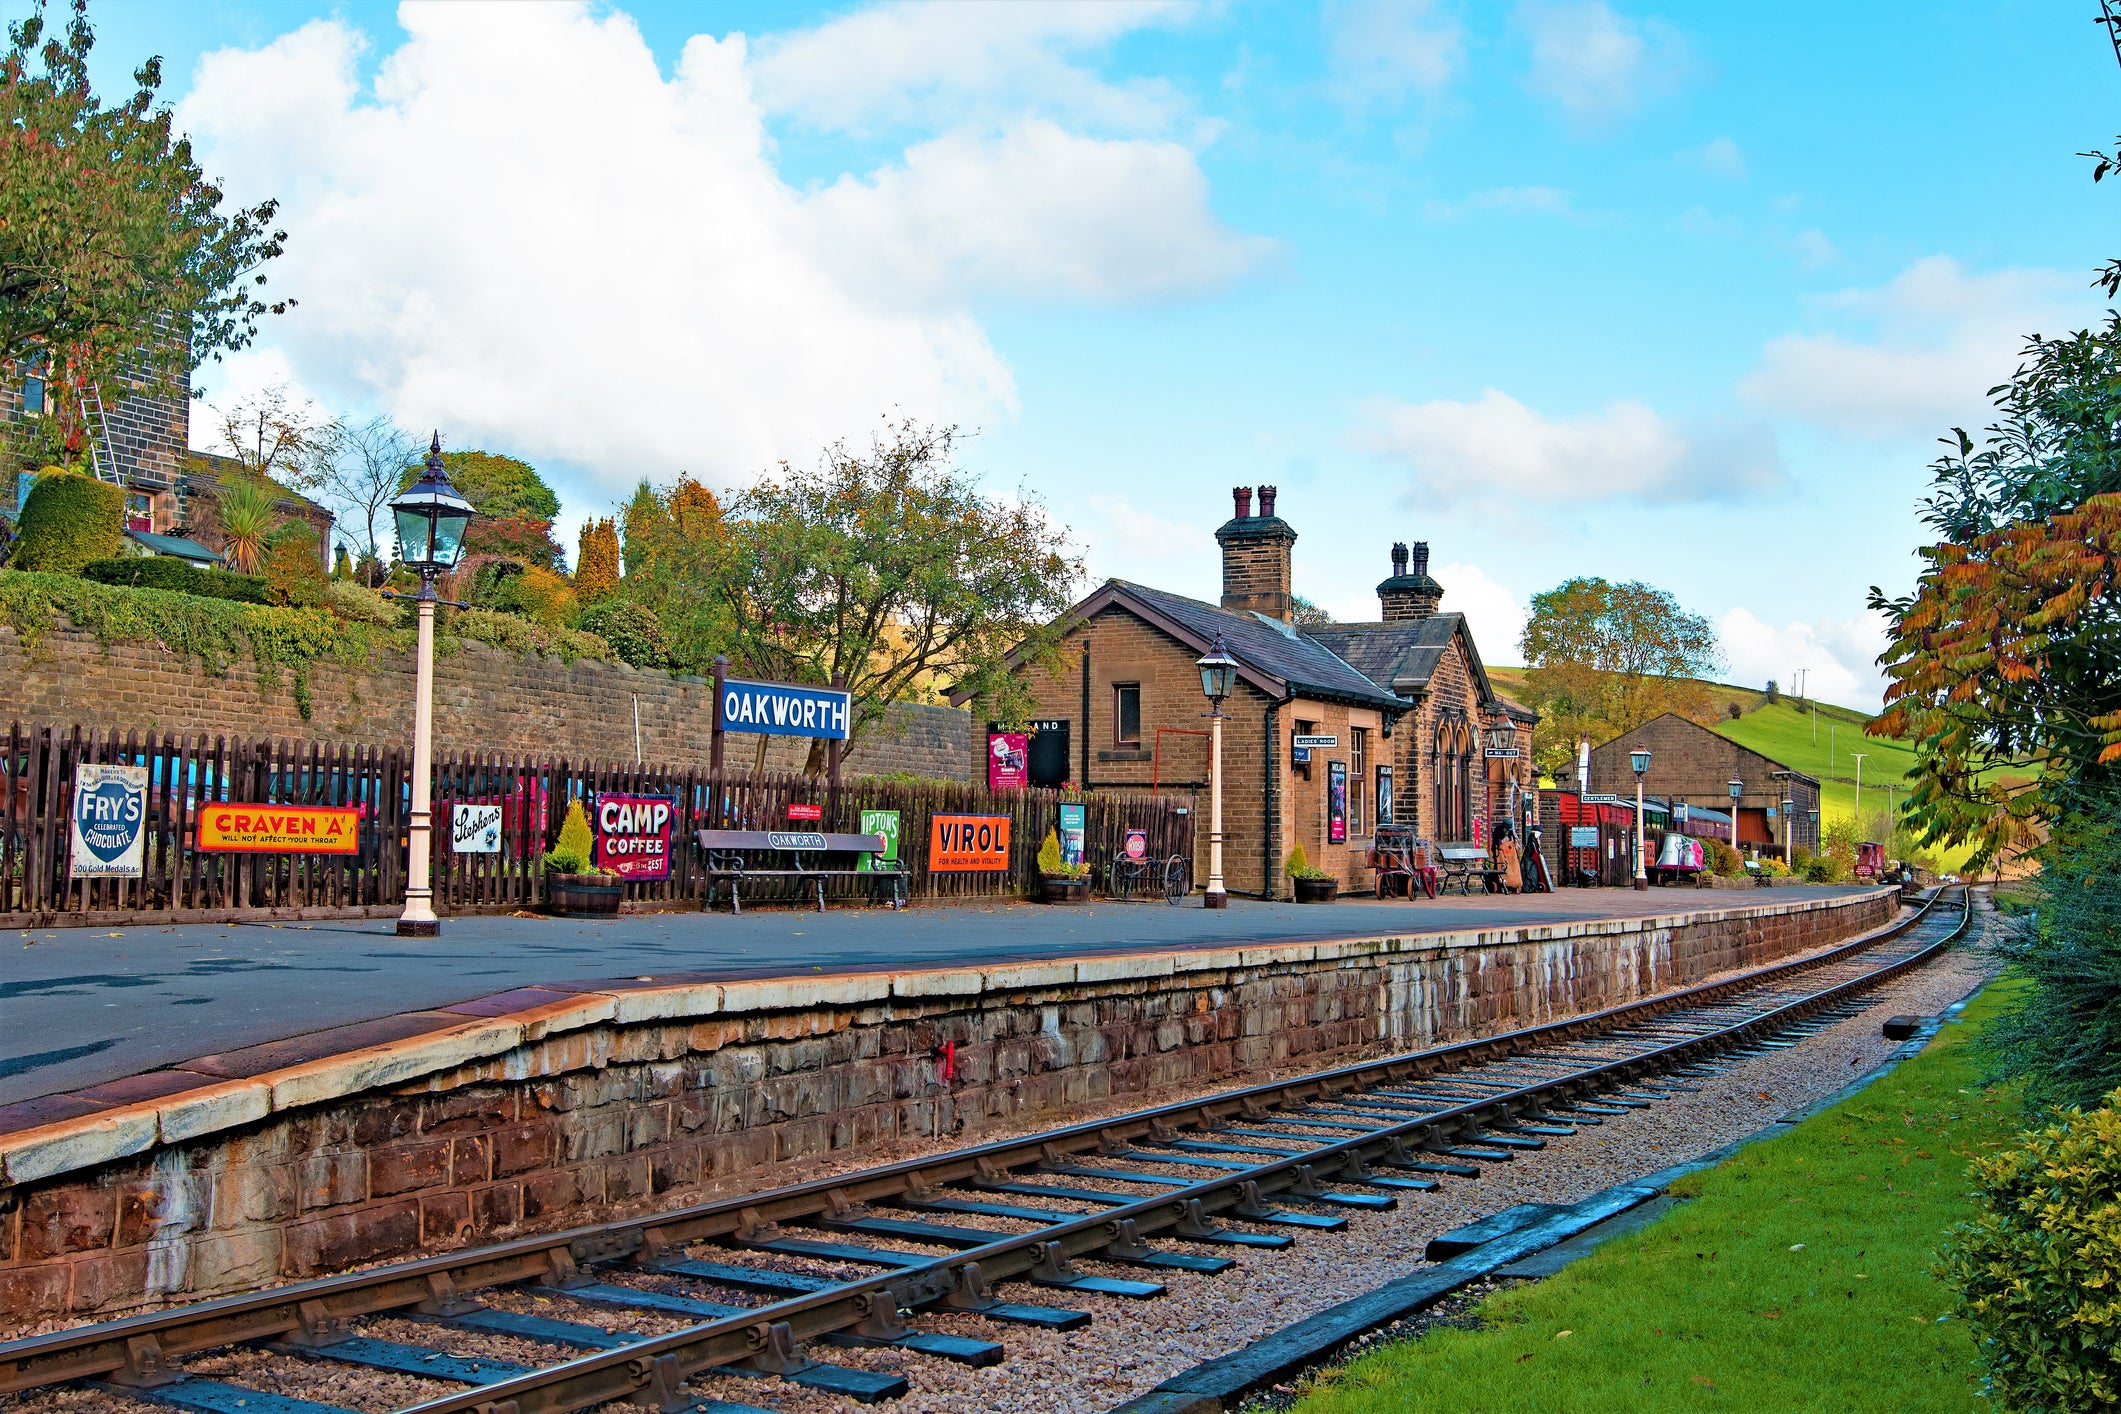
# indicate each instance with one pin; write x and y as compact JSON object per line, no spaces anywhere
{"x":574,"y":886}
{"x":1312,"y":885}
{"x":1060,"y":881}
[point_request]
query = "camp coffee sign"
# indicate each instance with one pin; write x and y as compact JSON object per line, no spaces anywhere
{"x":633,"y":834}
{"x":110,"y":822}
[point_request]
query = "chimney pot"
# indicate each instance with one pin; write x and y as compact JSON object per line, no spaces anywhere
{"x":1266,"y":501}
{"x":1399,"y":558}
{"x":1409,"y":593}
{"x":1242,"y":495}
{"x":1421,"y":557}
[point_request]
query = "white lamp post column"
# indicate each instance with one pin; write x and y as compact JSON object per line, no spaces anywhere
{"x":1640,"y":760}
{"x":1737,"y":789}
{"x":1218,"y":679}
{"x":431,"y":519}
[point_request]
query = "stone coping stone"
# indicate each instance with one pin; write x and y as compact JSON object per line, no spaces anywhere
{"x":55,"y":1134}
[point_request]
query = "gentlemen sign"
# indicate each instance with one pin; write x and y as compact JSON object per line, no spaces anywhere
{"x":110,"y":819}
{"x":783,"y":709}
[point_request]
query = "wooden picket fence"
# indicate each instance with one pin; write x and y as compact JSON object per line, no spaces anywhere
{"x":187,"y":772}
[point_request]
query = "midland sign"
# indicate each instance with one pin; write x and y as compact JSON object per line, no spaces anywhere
{"x":783,"y":709}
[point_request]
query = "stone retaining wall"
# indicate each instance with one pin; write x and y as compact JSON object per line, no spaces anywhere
{"x":547,"y":1109}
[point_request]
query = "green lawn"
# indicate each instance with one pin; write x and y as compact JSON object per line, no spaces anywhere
{"x":1797,"y":1278}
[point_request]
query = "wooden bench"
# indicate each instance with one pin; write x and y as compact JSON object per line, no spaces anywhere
{"x":795,"y":854}
{"x":1464,"y":862}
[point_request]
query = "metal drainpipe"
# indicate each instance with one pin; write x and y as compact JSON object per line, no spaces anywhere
{"x":1086,"y":713}
{"x":1270,"y":879}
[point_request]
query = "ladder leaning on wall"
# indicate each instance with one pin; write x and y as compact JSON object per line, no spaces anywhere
{"x":104,"y":466}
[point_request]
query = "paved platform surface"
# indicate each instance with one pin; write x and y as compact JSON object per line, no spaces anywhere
{"x":79,"y":1007}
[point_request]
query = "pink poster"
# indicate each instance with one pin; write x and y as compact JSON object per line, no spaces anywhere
{"x":1008,"y":760}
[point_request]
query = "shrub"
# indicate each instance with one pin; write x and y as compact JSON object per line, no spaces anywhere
{"x":167,"y":572}
{"x":1826,"y":869}
{"x":575,"y":852}
{"x":357,"y":603}
{"x":1800,"y":855}
{"x":294,"y":573}
{"x":1052,"y":865}
{"x":1299,"y":865}
{"x":246,"y":514}
{"x":69,"y":521}
{"x":634,"y":633}
{"x":1723,"y":859}
{"x":2038,"y":1269}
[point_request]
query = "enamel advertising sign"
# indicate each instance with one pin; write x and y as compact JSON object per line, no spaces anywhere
{"x":633,"y":834}
{"x":110,"y":821}
{"x":279,"y":829}
{"x":783,"y":709}
{"x":475,"y":829}
{"x":961,"y":844}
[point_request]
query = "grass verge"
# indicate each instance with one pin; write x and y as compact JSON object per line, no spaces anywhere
{"x":1797,"y":1278}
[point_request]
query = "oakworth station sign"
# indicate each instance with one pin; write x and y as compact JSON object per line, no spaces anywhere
{"x":781,"y":709}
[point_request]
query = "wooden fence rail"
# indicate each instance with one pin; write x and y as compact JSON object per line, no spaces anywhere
{"x":187,"y":772}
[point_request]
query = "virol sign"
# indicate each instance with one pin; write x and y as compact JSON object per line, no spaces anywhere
{"x":959,"y":844}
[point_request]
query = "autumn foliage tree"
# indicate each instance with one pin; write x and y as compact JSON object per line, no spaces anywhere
{"x":596,"y":570}
{"x":1604,"y":658}
{"x":118,"y":263}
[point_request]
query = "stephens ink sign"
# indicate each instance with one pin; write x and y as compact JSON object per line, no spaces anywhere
{"x":783,"y":709}
{"x":633,"y":835}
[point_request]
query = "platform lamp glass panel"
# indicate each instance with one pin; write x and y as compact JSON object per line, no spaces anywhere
{"x":1640,"y":760}
{"x":1218,"y":672}
{"x":432,"y":519}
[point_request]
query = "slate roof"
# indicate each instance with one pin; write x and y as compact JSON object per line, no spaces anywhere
{"x":1299,"y":659}
{"x":1402,"y":654}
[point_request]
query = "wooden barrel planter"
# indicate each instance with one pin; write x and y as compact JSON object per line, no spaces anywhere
{"x":1316,"y":890}
{"x":1053,"y":889}
{"x":583,"y":895}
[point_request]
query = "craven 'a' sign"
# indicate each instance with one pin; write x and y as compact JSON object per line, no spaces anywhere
{"x":961,"y":844}
{"x":279,"y":829}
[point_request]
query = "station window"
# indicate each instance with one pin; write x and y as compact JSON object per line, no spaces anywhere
{"x":1126,"y":714}
{"x":1358,"y":770}
{"x":33,"y":385}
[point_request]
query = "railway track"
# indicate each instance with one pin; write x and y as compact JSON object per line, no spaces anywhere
{"x":773,"y":1283}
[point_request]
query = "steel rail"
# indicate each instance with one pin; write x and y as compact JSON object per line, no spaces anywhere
{"x":138,"y":1348}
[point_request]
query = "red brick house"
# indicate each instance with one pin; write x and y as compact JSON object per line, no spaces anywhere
{"x":1417,"y":735}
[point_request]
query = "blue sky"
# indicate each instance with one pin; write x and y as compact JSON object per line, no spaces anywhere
{"x":1682,"y":294}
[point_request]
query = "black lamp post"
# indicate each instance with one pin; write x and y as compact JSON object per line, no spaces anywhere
{"x":431,"y":519}
{"x":1218,"y":679}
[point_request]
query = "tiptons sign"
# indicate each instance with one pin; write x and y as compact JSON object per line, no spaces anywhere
{"x":783,"y":709}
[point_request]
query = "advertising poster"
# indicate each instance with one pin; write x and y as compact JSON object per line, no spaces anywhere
{"x":475,"y":829}
{"x":1137,"y":844}
{"x":879,"y":822}
{"x":110,"y":822}
{"x":964,"y":844}
{"x":1008,"y":760}
{"x":1384,"y":796}
{"x":633,"y":834}
{"x":800,"y":811}
{"x":279,"y":829}
{"x":1072,"y":826}
{"x":1336,"y":802}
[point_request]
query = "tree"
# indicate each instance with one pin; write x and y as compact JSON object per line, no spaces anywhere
{"x":516,"y":508}
{"x":116,"y":257}
{"x":596,"y":570}
{"x":1605,"y":658}
{"x":1305,"y":614}
{"x":276,"y":439}
{"x":359,"y":471}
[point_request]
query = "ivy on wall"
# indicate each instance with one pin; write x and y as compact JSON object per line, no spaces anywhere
{"x":281,"y":642}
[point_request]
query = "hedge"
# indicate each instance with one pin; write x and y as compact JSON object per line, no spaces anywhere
{"x":167,"y":572}
{"x":68,"y":521}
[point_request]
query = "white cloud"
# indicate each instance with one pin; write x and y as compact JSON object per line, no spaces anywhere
{"x":1383,"y":50}
{"x":1933,"y":341}
{"x":528,"y":235}
{"x":1840,"y":656}
{"x":1040,"y":212}
{"x":1492,"y":612}
{"x":1496,"y":447}
{"x":1813,"y":248}
{"x":1127,"y":542}
{"x":1595,"y":64}
{"x":941,"y":65}
{"x":1548,"y":201}
{"x":1719,"y":157}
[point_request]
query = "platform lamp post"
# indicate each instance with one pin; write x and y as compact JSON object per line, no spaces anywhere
{"x":1814,"y":813}
{"x":1789,"y":830}
{"x":1218,"y":679}
{"x":1737,"y":789}
{"x":431,"y":519}
{"x":1640,"y":760}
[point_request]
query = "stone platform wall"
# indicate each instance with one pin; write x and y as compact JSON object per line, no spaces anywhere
{"x":564,"y":1110}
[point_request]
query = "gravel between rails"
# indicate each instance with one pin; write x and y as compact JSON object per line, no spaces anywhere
{"x":1132,"y":1346}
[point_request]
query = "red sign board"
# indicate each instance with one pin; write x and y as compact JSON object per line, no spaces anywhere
{"x":1137,"y":844}
{"x":1008,"y":760}
{"x":277,"y":829}
{"x":959,"y":844}
{"x":633,"y":834}
{"x":806,"y":812}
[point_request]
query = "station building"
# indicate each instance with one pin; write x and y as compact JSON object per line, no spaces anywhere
{"x":1689,"y":764}
{"x":1404,"y":726}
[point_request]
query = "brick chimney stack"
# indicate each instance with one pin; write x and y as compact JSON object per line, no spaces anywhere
{"x":1256,"y":574}
{"x":1409,"y":593}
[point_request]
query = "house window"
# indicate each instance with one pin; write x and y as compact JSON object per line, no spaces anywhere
{"x":1127,"y":714}
{"x":1358,"y":772}
{"x":33,"y":385}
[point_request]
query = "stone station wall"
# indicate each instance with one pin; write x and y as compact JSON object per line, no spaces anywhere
{"x":552,"y":1110}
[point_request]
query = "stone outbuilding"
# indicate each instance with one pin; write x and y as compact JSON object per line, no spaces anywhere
{"x":1691,"y":764}
{"x":1404,"y":727}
